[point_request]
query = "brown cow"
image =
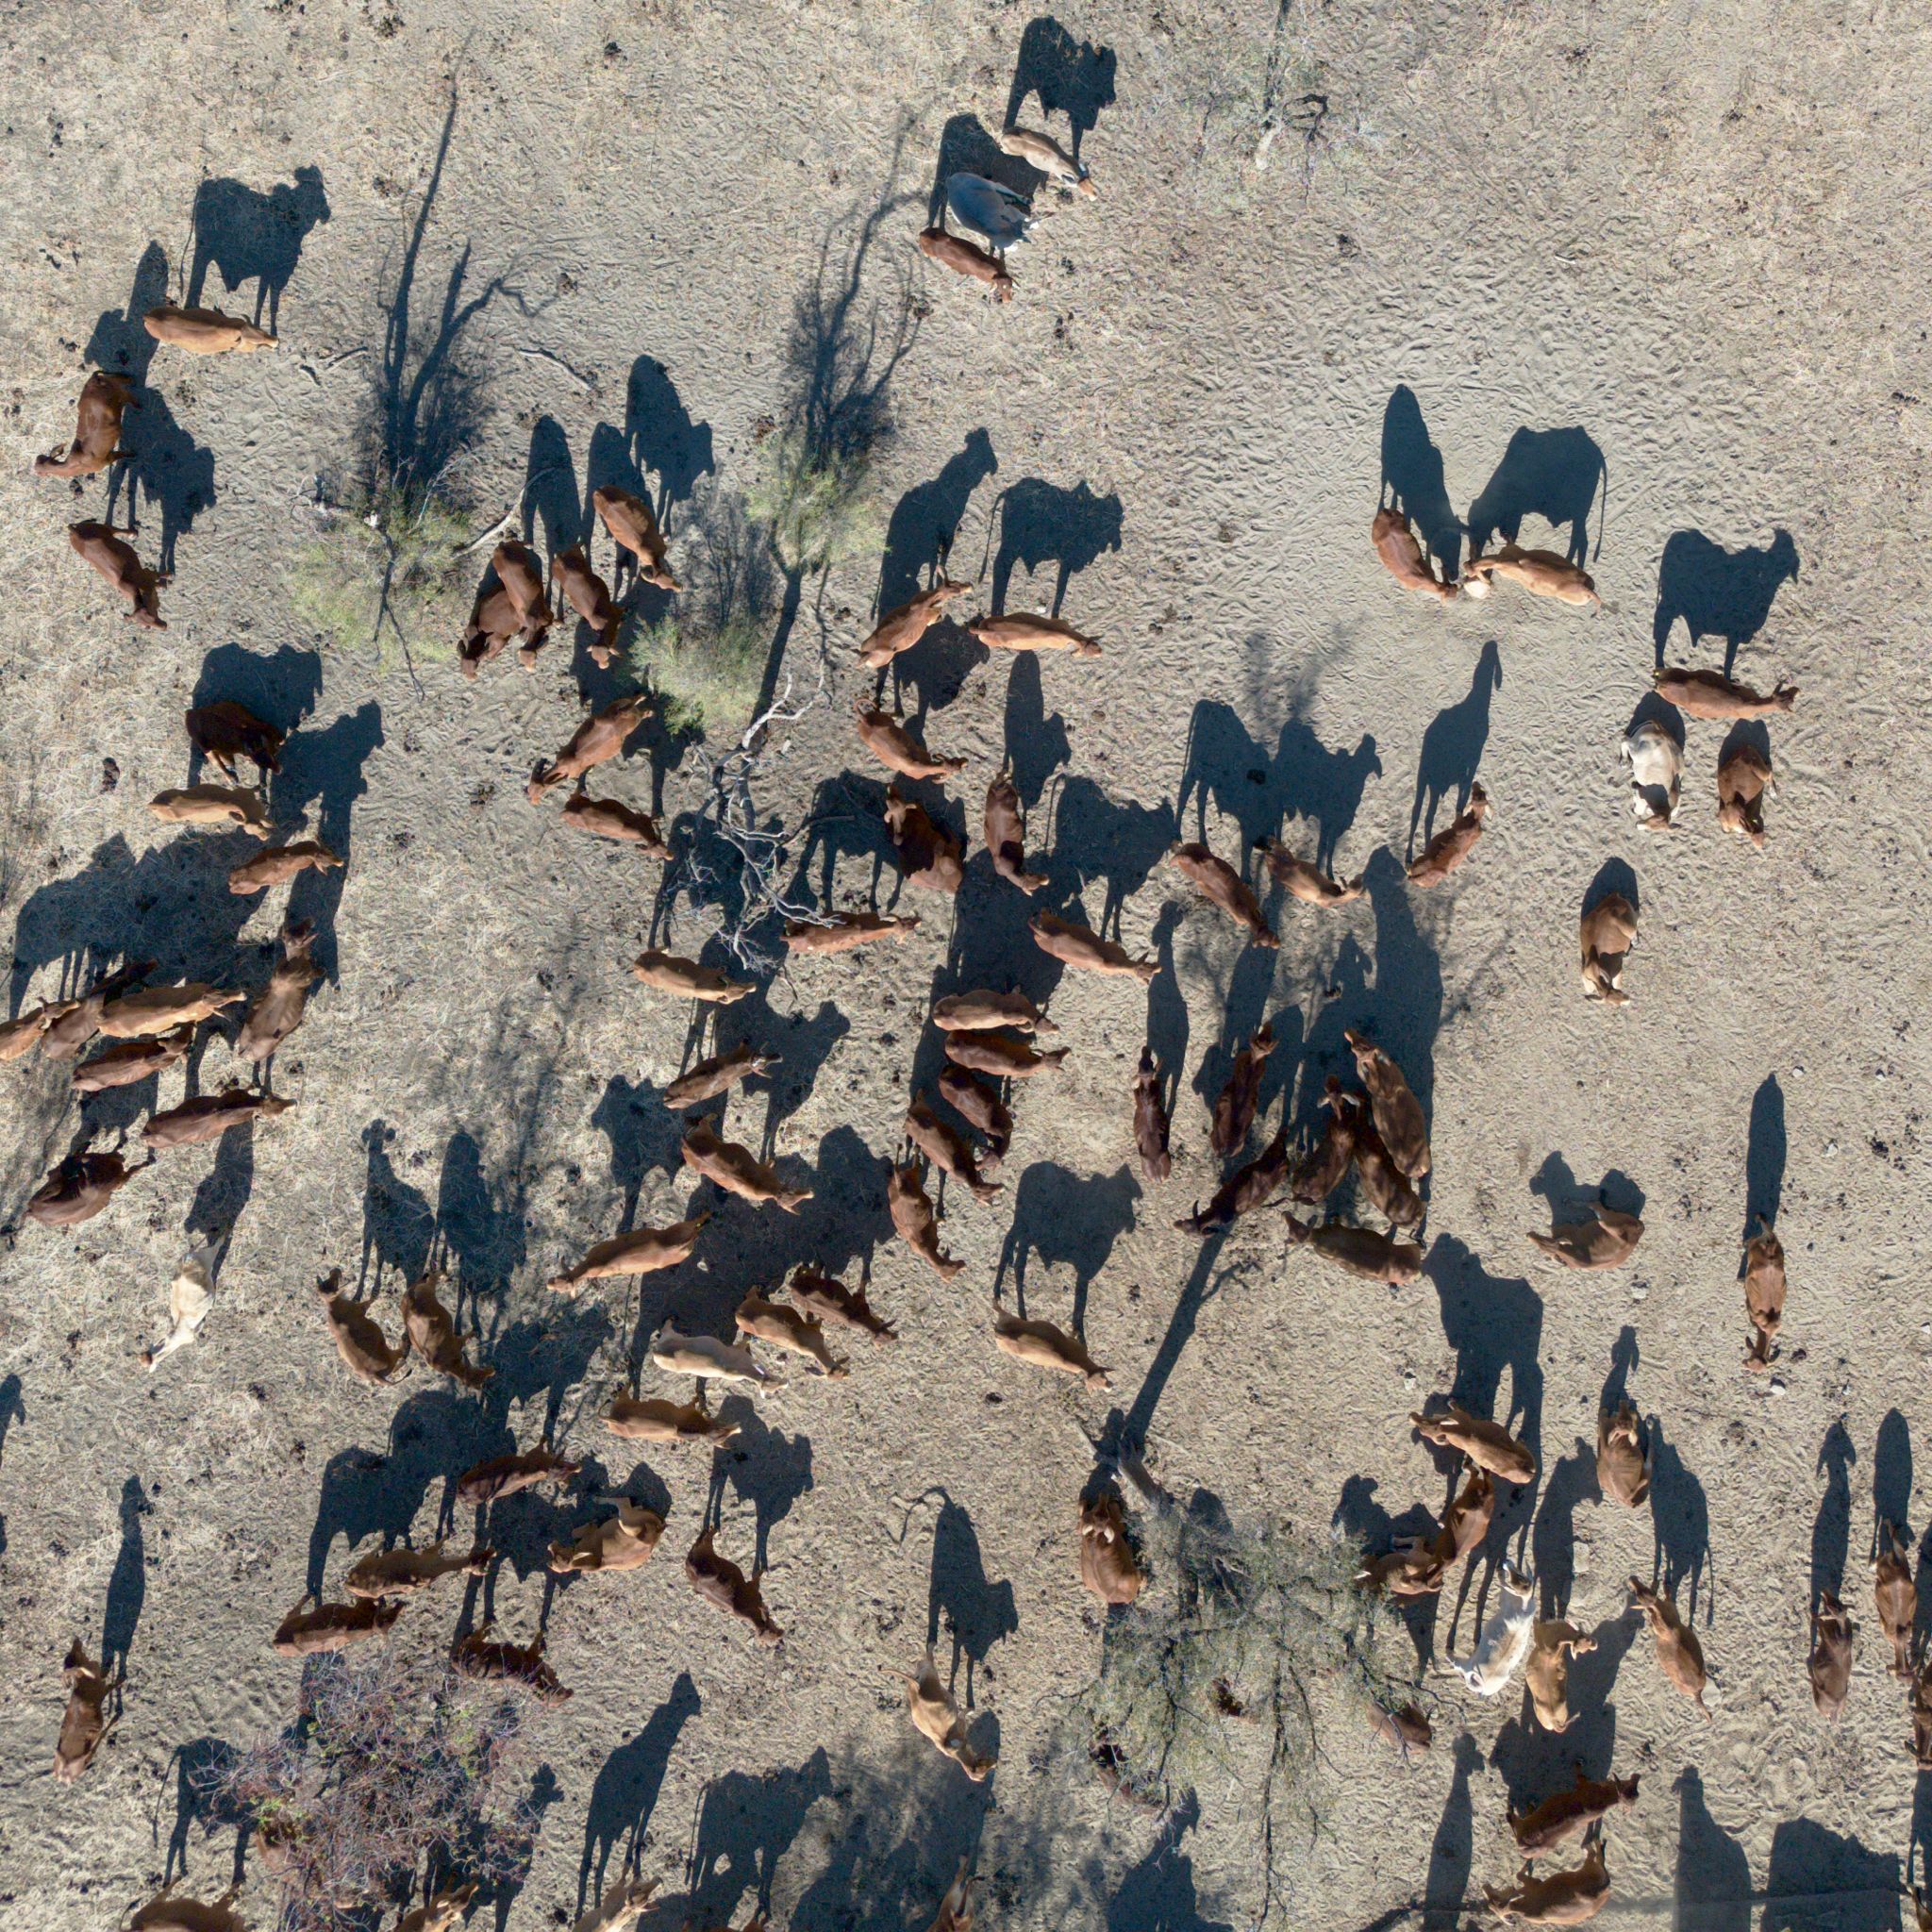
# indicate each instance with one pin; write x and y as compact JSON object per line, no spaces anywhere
{"x":1709,"y":695}
{"x":899,"y":631}
{"x":1558,"y":1898}
{"x":433,"y":1333}
{"x":633,"y":526}
{"x":164,"y":1913}
{"x":1397,"y":1112}
{"x":938,"y":1719}
{"x":1219,"y":883}
{"x":1107,"y":1566}
{"x":589,"y":595}
{"x":1385,"y":1184}
{"x":332,"y":1627}
{"x":652,"y":1419}
{"x":1764,"y":1295}
{"x":1402,"y":557}
{"x":1605,"y":939}
{"x":285,"y":999}
{"x":624,"y":1541}
{"x":1374,"y":1256}
{"x":409,"y":1573}
{"x":1485,"y":1444}
{"x":1150,"y":1119}
{"x":1043,"y":152}
{"x":1467,"y":1519}
{"x":211,"y":804}
{"x":790,"y":1329}
{"x":669,"y":973}
{"x":1897,"y":1597}
{"x":1001,"y":1055}
{"x":67,"y":1026}
{"x":838,"y":1306}
{"x":1245,"y":1190}
{"x":1046,"y":1347}
{"x":1542,"y":573}
{"x":1679,"y":1655}
{"x":278,"y":864}
{"x":1743,"y":783}
{"x":1607,"y":1240}
{"x":484,"y":1662}
{"x":99,"y":545}
{"x":442,"y":1911}
{"x":208,"y":1116}
{"x":1566,"y":1814}
{"x":1079,"y":946}
{"x":605,"y":818}
{"x":599,"y":738}
{"x":132,"y":1061}
{"x":96,"y":429}
{"x":727,"y":1165}
{"x":717,"y":1075}
{"x":955,"y":1903}
{"x":205,"y":331}
{"x":948,"y":1149}
{"x":979,"y":1105}
{"x":1451,"y":846}
{"x":494,"y":619}
{"x":1320,"y":1170}
{"x":964,"y":259}
{"x":1922,"y":1725}
{"x":1410,"y":1568}
{"x":1546,"y":1671}
{"x":85,"y":1722}
{"x":226,"y":731}
{"x":519,"y":573}
{"x":1031,"y":630}
{"x":927,"y":855}
{"x":979,"y":1012}
{"x":726,"y":1587}
{"x":78,"y":1188}
{"x":897,"y":749}
{"x":840,"y":932}
{"x":1006,"y":836}
{"x":1830,"y":1662}
{"x":1309,"y":883}
{"x":1234,"y":1108}
{"x":915,"y":1222}
{"x":505,"y":1475}
{"x":1623,"y":1455}
{"x":1403,"y":1730}
{"x":362,"y":1346}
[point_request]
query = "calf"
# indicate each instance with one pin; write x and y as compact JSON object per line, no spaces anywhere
{"x":709,"y":1359}
{"x":1027,"y":630}
{"x":948,"y":1149}
{"x":1150,"y":1119}
{"x":208,"y":1116}
{"x":1743,"y":783}
{"x":1046,"y":1347}
{"x":711,"y":1077}
{"x":1623,"y":1455}
{"x":365,"y":1349}
{"x":1411,"y":1568}
{"x":1080,"y":947}
{"x":727,"y":1165}
{"x":927,"y":855}
{"x":1709,"y":695}
{"x":78,"y":1188}
{"x":1505,"y":1638}
{"x":1558,"y":1898}
{"x":838,"y":1306}
{"x":280,"y":864}
{"x":633,"y":526}
{"x":96,"y":429}
{"x":955,"y":1903}
{"x":1246,"y":1189}
{"x":1679,"y":1655}
{"x":900,"y":630}
{"x":1107,"y":1564}
{"x":226,"y":731}
{"x":1402,"y":557}
{"x":1467,"y":1519}
{"x":897,"y":749}
{"x":668,"y":972}
{"x":1398,"y":1114}
{"x":1043,"y":152}
{"x":1219,"y":883}
{"x":600,"y":737}
{"x":205,"y":331}
{"x":1006,"y":836}
{"x":433,"y":1334}
{"x":1001,"y":1055}
{"x":938,"y":1718}
{"x":132,"y":1061}
{"x":1373,"y":1256}
{"x":964,"y":259}
{"x":1488,"y":1445}
{"x":505,"y":1475}
{"x":1234,"y":1108}
{"x":840,"y":932}
{"x":1405,"y":1730}
{"x":977,"y":1012}
{"x":1568,"y":1814}
{"x":85,"y":1722}
{"x":915,"y":1223}
{"x":1542,"y":573}
{"x":652,"y":1419}
{"x":1607,"y":1239}
{"x":605,"y":818}
{"x":725,"y":1587}
{"x":790,"y":1330}
{"x":1450,"y":848}
{"x":1309,"y":883}
{"x":1605,"y":939}
{"x":589,"y":595}
{"x":1546,"y":1674}
{"x":483,"y":1662}
{"x":1829,"y":1665}
{"x":624,"y":1541}
{"x":211,"y":804}
{"x":1656,"y":763}
{"x":979,"y":1106}
{"x":642,"y":1251}
{"x":1895,"y":1596}
{"x":409,"y":1573}
{"x":99,"y":546}
{"x":332,"y":1627}
{"x":1764,"y":1295}
{"x":285,"y":999}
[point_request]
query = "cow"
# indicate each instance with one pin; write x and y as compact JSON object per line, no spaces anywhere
{"x":978,"y":1012}
{"x":1485,"y":1444}
{"x":1505,"y":1644}
{"x":1221,"y":885}
{"x":226,"y":731}
{"x":1107,"y":1565}
{"x":601,"y":737}
{"x":506,"y":1475}
{"x":1546,"y":1674}
{"x":841,"y":932}
{"x":900,"y":630}
{"x":332,"y":1627}
{"x":1321,"y":1169}
{"x":409,"y":1573}
{"x":1743,"y":783}
{"x":79,"y":1187}
{"x":1006,"y":836}
{"x":1043,"y":152}
{"x":205,"y":331}
{"x":650,"y":1418}
{"x":1046,"y":1347}
{"x":948,"y":1149}
{"x":1607,"y":1239}
{"x":1710,"y":694}
{"x":1450,"y":848}
{"x":1542,"y":573}
{"x":164,"y":1913}
{"x":363,"y":1347}
{"x":955,"y":1903}
{"x":624,"y":1541}
{"x":726,"y":1587}
{"x":709,"y":1359}
{"x":589,"y":595}
{"x":1829,"y":1665}
{"x":1080,"y":947}
{"x":441,"y":1910}
{"x":1401,"y":558}
{"x":642,"y":1251}
{"x":1679,"y":1655}
{"x":1897,"y":1597}
{"x":1300,"y":879}
{"x":1373,"y":1256}
{"x":1245,"y":1190}
{"x":1234,"y":1106}
{"x":1656,"y":763}
{"x":605,"y":818}
{"x":433,"y":1334}
{"x":1398,"y":1114}
{"x":979,"y":1105}
{"x":1764,"y":1294}
{"x":1623,"y":1455}
{"x":132,"y":1061}
{"x":1150,"y":1119}
{"x":1001,"y":1055}
{"x":281,"y":863}
{"x":208,"y":1116}
{"x":1031,"y":630}
{"x":717,"y":1075}
{"x":190,"y":1297}
{"x":727,"y":1165}
{"x":668,"y":972}
{"x":898,"y":749}
{"x":838,"y":1306}
{"x":1386,"y":1187}
{"x":478,"y":1659}
{"x":285,"y":999}
{"x":85,"y":1722}
{"x":96,"y":429}
{"x":1605,"y":937}
{"x":1558,"y":1898}
{"x":928,"y":854}
{"x":953,"y":252}
{"x":211,"y":804}
{"x":787,"y":1328}
{"x":1565,"y":1814}
{"x":633,"y":526}
{"x":938,"y":1718}
{"x":915,"y":1222}
{"x":100,"y":547}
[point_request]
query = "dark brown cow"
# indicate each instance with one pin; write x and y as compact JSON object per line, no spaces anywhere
{"x":929,"y":856}
{"x":332,"y":1627}
{"x":1374,"y":1256}
{"x":1246,"y":1189}
{"x":605,"y":818}
{"x":85,"y":1722}
{"x":1001,"y":1055}
{"x":1234,"y":1108}
{"x":132,"y":1061}
{"x":948,"y":1149}
{"x":1150,"y":1119}
{"x":99,"y":546}
{"x":1321,"y":1169}
{"x":519,"y":573}
{"x":1451,"y":846}
{"x":504,"y":1476}
{"x":915,"y":1222}
{"x":1569,"y":1813}
{"x":226,"y":731}
{"x":476,"y":1657}
{"x":96,"y":429}
{"x":78,"y":1188}
{"x":726,"y":1587}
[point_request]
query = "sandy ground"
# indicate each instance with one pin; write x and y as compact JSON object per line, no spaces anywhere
{"x":1694,"y":243}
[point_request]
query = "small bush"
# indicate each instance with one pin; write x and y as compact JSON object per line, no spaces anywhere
{"x":395,"y":1768}
{"x":383,"y":575}
{"x":810,"y":493}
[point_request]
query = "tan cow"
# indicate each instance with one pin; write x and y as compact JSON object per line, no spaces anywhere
{"x":620,"y":1542}
{"x":980,"y":1011}
{"x":1829,"y":1665}
{"x":621,"y":1906}
{"x":1558,"y":1898}
{"x":650,"y":1418}
{"x":717,"y":1075}
{"x":96,"y":429}
{"x":979,"y":1105}
{"x":1046,"y":1347}
{"x":433,"y":1335}
{"x":1567,"y":1814}
{"x":1373,"y":1256}
{"x":1221,"y":885}
{"x":838,"y":1306}
{"x":633,"y":526}
{"x":165,"y":1912}
{"x":1410,"y":1568}
{"x":226,"y":731}
{"x":1764,"y":1295}
{"x":726,"y":1587}
{"x":1743,"y":783}
{"x":1605,"y":939}
{"x":589,"y":595}
{"x":1402,"y":557}
{"x":208,"y":1116}
{"x":1234,"y":1106}
{"x":211,"y":804}
{"x":332,"y":1627}
{"x":841,"y":932}
{"x":191,"y":1295}
{"x":1542,"y":573}
{"x":506,"y":1475}
{"x":278,"y":864}
{"x":938,"y":1718}
{"x":79,"y":1187}
{"x":605,"y":818}
{"x":284,"y":1000}
{"x":955,"y":253}
{"x":85,"y":1722}
{"x":205,"y":331}
{"x":1709,"y":695}
{"x":100,"y":547}
{"x":1607,"y":1239}
{"x":1485,"y":1444}
{"x":709,"y":1359}
{"x":600,"y":737}
{"x":1150,"y":1119}
{"x":898,"y":749}
{"x":1001,"y":1055}
{"x":409,"y":1573}
{"x":69,"y":1024}
{"x":642,"y":1251}
{"x":1546,"y":1671}
{"x":928,"y":854}
{"x":915,"y":1222}
{"x":1302,"y":880}
{"x":1107,"y":1565}
{"x":365,"y":1349}
{"x":1895,"y":1596}
{"x":1006,"y":836}
{"x":132,"y":1061}
{"x":1398,"y":1113}
{"x":787,"y":1328}
{"x":1679,"y":1655}
{"x":1450,"y":848}
{"x":900,"y":630}
{"x":1031,"y":630}
{"x":1080,"y":947}
{"x":478,"y":1659}
{"x":1623,"y":1455}
{"x":948,"y":1149}
{"x":727,"y":1165}
{"x":1043,"y":152}
{"x":670,"y":972}
{"x":1246,"y":1189}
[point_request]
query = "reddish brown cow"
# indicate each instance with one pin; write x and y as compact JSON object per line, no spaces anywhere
{"x":1006,"y":836}
{"x":589,"y":595}
{"x":633,"y":526}
{"x":99,"y":546}
{"x":601,"y":737}
{"x":226,"y":731}
{"x":964,"y":259}
{"x":96,"y":429}
{"x":929,"y":856}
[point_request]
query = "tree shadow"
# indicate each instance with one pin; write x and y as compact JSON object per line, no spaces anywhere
{"x":1069,"y":77}
{"x":625,"y":1794}
{"x":975,"y":1612}
{"x":127,"y":1581}
{"x":1680,"y":1518}
{"x":1831,"y":1530}
{"x":1719,"y":592}
{"x":1713,"y":1885}
{"x":247,"y":236}
{"x":1764,"y":1160}
{"x":1412,"y":479}
{"x":1157,"y":1893}
{"x":1558,"y":474}
{"x":324,"y":769}
{"x":1819,"y":1881}
{"x":1037,"y":745}
{"x":745,"y":1824}
{"x":1042,"y":524}
{"x":920,"y":533}
{"x":398,"y":1227}
{"x":1448,"y":1879}
{"x":1453,"y":747}
{"x":1063,"y":1219}
{"x":766,"y":1469}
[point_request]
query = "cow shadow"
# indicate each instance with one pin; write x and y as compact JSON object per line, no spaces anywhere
{"x":846,"y":821}
{"x":550,"y":491}
{"x":481,"y":1245}
{"x":745,"y":1826}
{"x":1068,"y":77}
{"x":1612,"y":875}
{"x":973,"y":1610}
{"x":398,"y":1225}
{"x":643,"y":1136}
{"x":1819,"y":1881}
{"x":202,"y":1769}
{"x":1570,"y":1202}
{"x":281,"y":687}
{"x":1063,"y":1219}
{"x":1448,"y":1879}
{"x":920,"y":533}
{"x":126,"y":1581}
{"x":1719,"y":592}
{"x":167,"y":470}
{"x":1712,"y":1892}
{"x":803,"y":1043}
{"x":1892,"y":1477}
{"x":1412,"y":480}
{"x":1453,"y":745}
{"x":1159,"y":1892}
{"x":1623,"y":1361}
{"x":1248,"y":988}
{"x":967,"y":148}
{"x":1167,"y":1009}
{"x":1041,"y":524}
{"x":661,"y":437}
{"x":247,"y":236}
{"x":225,"y":1188}
{"x":119,"y":342}
{"x":1680,"y":1518}
{"x":325,"y":770}
{"x":766,"y":1469}
{"x":1095,"y":837}
{"x":1558,"y":474}
{"x":1570,"y":1480}
{"x":625,"y":1794}
{"x":1831,"y":1530}
{"x":1764,"y":1159}
{"x":1037,"y":744}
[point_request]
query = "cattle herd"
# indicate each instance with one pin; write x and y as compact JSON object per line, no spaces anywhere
{"x":992,"y":1044}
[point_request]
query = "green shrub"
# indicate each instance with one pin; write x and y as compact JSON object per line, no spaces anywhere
{"x":812,"y":498}
{"x":707,"y":679}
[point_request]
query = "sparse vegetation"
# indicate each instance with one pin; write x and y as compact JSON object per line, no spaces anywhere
{"x":812,"y":495}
